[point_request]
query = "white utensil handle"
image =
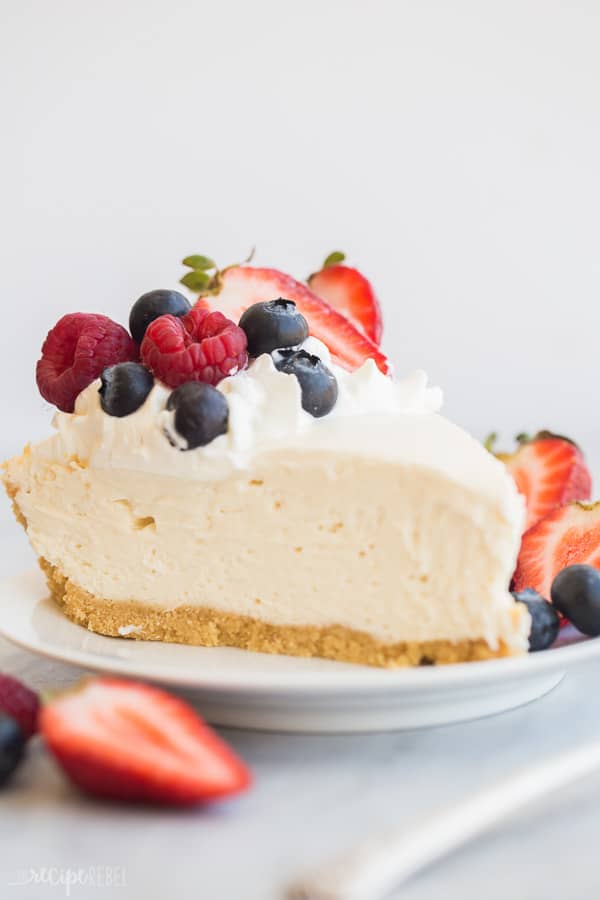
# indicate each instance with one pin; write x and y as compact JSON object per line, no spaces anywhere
{"x":370,"y":870}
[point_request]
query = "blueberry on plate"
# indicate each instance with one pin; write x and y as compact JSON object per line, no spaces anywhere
{"x":152,"y":305}
{"x":201,"y":413}
{"x":12,"y":747}
{"x":318,"y":384}
{"x":124,"y":388}
{"x":545,"y":621}
{"x":272,"y":325}
{"x":575,"y":593}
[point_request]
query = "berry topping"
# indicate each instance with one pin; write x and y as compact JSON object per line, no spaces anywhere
{"x":549,"y":470}
{"x":124,"y":388}
{"x":200,"y":346}
{"x":20,"y":703}
{"x":273,"y":325}
{"x":318,"y":384}
{"x":76,"y":352}
{"x":576,"y":594}
{"x":350,"y":293}
{"x":239,"y":287}
{"x":569,"y":535}
{"x":201,"y":413}
{"x":545,"y":621}
{"x":152,"y":305}
{"x":129,"y":741}
{"x":12,"y":747}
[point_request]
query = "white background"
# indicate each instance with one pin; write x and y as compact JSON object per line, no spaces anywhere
{"x":452,"y":149}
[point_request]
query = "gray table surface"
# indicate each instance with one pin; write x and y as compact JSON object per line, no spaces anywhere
{"x":313,"y":796}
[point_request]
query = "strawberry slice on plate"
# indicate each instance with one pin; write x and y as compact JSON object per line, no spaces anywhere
{"x":549,"y":470}
{"x":348,"y":291}
{"x":568,"y":535}
{"x":123,"y":740}
{"x":238,"y":287}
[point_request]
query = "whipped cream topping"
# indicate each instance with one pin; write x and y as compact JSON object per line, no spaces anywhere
{"x":265,"y":413}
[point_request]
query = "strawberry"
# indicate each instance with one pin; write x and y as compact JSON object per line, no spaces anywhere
{"x":549,"y":470}
{"x":348,"y":291}
{"x":234,"y":289}
{"x":128,"y":741}
{"x":568,"y":535}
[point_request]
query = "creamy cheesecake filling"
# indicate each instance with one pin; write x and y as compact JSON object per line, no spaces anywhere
{"x":396,"y":551}
{"x":382,"y":517}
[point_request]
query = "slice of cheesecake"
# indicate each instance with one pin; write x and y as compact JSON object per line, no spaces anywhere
{"x":378,"y":533}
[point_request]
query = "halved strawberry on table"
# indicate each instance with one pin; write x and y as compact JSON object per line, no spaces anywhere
{"x":348,"y":291}
{"x":232,"y":290}
{"x":549,"y":470}
{"x":567,"y":536}
{"x":124,"y":740}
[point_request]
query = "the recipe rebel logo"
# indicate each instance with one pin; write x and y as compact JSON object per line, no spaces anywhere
{"x":68,"y":879}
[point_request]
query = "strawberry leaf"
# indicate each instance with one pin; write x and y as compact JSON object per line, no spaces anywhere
{"x":196,"y":280}
{"x":490,"y":441}
{"x":202,"y":263}
{"x":523,"y":438}
{"x":548,"y":435}
{"x":334,"y":259}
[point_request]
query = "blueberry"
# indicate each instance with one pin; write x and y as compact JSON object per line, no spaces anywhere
{"x":545,"y":621}
{"x":318,"y":384}
{"x":124,"y":388}
{"x":152,"y":305}
{"x":201,"y":413}
{"x":272,"y":325}
{"x":12,"y":747}
{"x":576,"y":594}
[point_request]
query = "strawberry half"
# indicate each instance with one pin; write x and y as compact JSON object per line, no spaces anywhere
{"x":238,"y":287}
{"x":348,"y":291}
{"x":128,"y":741}
{"x":549,"y":470}
{"x":566,"y":536}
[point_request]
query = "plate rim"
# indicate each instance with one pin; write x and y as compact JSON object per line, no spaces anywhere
{"x":349,"y":679}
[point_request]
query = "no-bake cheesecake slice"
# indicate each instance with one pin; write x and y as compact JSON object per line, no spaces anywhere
{"x":291,"y":505}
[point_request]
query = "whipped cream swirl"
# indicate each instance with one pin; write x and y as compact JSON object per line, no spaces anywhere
{"x":265,"y":413}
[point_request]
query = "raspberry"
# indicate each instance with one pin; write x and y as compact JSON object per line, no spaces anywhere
{"x":21,"y":704}
{"x":76,"y":352}
{"x":201,"y":346}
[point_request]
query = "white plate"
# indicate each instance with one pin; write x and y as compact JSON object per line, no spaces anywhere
{"x":283,"y":693}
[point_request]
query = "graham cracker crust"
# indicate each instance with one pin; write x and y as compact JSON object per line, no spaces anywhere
{"x":202,"y":626}
{"x":12,"y":492}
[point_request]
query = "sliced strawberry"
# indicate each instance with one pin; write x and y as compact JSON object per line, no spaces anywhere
{"x":568,"y":535}
{"x":348,"y":291}
{"x":241,"y":286}
{"x":549,"y":471}
{"x":128,"y":741}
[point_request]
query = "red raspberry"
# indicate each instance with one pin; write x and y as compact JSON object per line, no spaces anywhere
{"x":200,"y":346}
{"x":21,"y":704}
{"x":76,"y":352}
